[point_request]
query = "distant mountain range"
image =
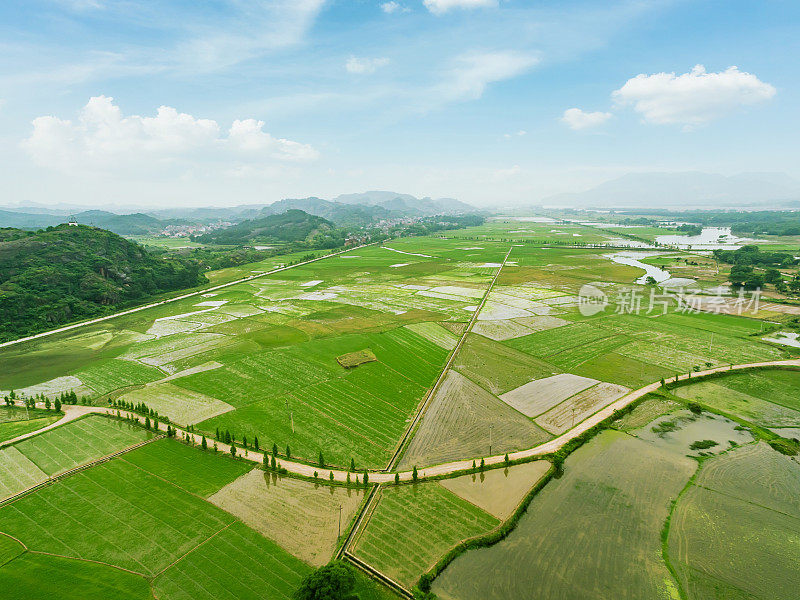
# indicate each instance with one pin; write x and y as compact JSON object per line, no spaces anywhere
{"x":687,"y":189}
{"x":346,"y":210}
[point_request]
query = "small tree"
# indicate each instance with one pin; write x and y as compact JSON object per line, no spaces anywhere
{"x":204,"y":443}
{"x":57,"y":405}
{"x":366,"y":477}
{"x":474,"y":466}
{"x":233,"y":449}
{"x":316,"y":475}
{"x":47,"y":403}
{"x":507,"y":461}
{"x":348,"y":477}
{"x":274,"y":449}
{"x":274,"y":463}
{"x":321,"y":460}
{"x":396,"y":478}
{"x":288,"y":451}
{"x":483,"y":464}
{"x":147,"y":422}
{"x":414,"y":474}
{"x":331,"y":477}
{"x":352,"y":465}
{"x":255,"y":443}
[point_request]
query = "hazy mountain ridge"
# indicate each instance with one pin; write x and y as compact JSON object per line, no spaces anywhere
{"x":345,"y":210}
{"x":685,"y":189}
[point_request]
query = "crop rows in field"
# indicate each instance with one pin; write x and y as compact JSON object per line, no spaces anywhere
{"x":412,"y":526}
{"x":182,"y":406}
{"x":78,"y":442}
{"x":13,"y":429}
{"x":237,"y":564}
{"x":539,"y":396}
{"x":17,"y":472}
{"x":592,"y":533}
{"x":735,"y":532}
{"x":108,"y":375}
{"x":300,"y":516}
{"x":497,"y":367}
{"x":725,"y":394}
{"x":566,"y":415}
{"x":463,"y":420}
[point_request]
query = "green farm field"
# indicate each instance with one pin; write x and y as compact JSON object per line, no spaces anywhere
{"x":593,"y":533}
{"x":259,"y":358}
{"x":138,"y":521}
{"x":734,"y":533}
{"x":414,"y":525}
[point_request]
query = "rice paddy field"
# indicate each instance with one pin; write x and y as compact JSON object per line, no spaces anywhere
{"x":592,"y":533}
{"x":337,"y":357}
{"x":141,"y":521}
{"x":413,"y":525}
{"x":735,"y":532}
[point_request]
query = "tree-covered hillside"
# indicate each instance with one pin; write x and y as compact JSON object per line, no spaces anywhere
{"x":294,"y":226}
{"x":62,"y":274}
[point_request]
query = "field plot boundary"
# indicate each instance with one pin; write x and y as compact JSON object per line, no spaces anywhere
{"x":403,"y":444}
{"x":176,"y":298}
{"x":56,"y":478}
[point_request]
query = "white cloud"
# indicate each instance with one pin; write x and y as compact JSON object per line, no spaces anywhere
{"x":365,"y":66}
{"x":103,"y":139}
{"x":692,"y":98}
{"x":474,"y":72}
{"x":439,"y":7}
{"x":390,"y":7}
{"x":577,"y":119}
{"x":519,"y":133}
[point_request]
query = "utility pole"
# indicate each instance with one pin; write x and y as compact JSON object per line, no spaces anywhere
{"x":340,"y":522}
{"x":490,"y":439}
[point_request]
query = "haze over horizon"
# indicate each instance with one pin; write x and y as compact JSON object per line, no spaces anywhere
{"x":495,"y":103}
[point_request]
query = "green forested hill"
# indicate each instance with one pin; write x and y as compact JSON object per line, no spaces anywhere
{"x":293,"y":226}
{"x":62,"y":274}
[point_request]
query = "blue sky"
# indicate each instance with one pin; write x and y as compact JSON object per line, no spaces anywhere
{"x":490,"y":101}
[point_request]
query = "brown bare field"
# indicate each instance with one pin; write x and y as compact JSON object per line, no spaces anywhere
{"x":537,"y":397}
{"x":498,"y":491}
{"x":300,"y":516}
{"x":353,"y":359}
{"x":581,"y":405}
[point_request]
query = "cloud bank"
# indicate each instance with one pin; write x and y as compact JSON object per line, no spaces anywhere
{"x":103,"y":139}
{"x":692,"y":98}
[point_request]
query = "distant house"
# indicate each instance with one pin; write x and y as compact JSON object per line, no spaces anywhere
{"x":72,"y":222}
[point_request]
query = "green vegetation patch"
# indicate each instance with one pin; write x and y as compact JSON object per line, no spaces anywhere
{"x":62,"y":448}
{"x":115,"y":513}
{"x":497,"y":367}
{"x":236,"y":564}
{"x":414,"y":525}
{"x":12,"y":429}
{"x":40,"y":576}
{"x":17,"y":473}
{"x":9,"y":549}
{"x":354,"y":359}
{"x":717,"y":394}
{"x":196,"y":471}
{"x":108,"y":375}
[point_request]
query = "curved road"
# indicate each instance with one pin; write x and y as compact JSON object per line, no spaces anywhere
{"x":306,"y":470}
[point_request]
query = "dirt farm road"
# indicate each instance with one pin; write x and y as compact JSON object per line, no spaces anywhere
{"x":307,"y":470}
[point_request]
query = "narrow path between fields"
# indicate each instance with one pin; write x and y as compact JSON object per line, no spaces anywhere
{"x":308,"y":470}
